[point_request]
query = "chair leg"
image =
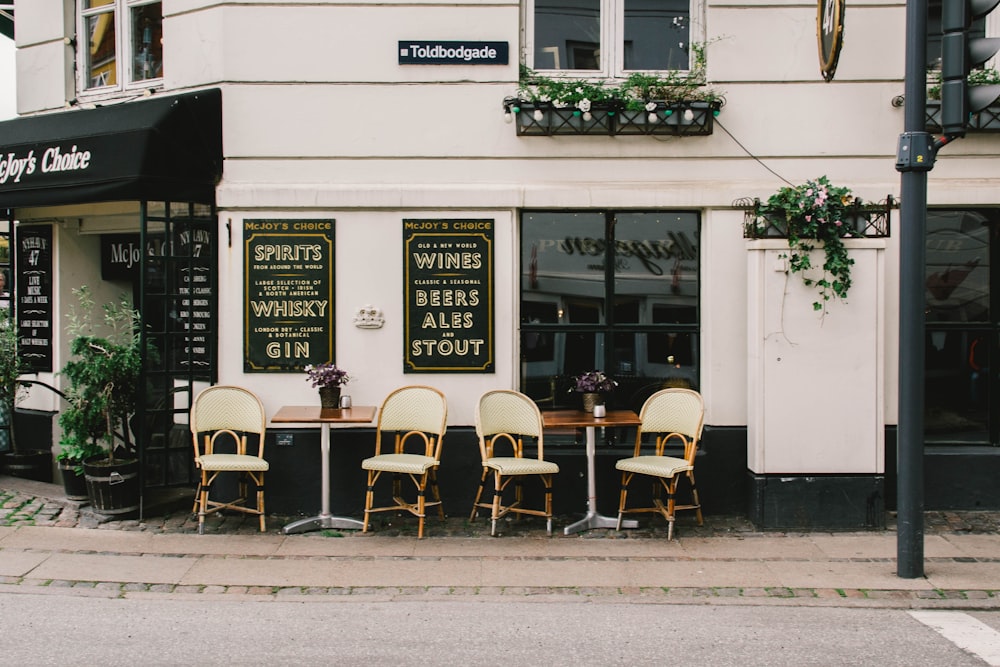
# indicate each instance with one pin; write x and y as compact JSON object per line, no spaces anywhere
{"x":203,"y":504}
{"x":622,"y":494}
{"x":260,"y":503}
{"x":479,"y":494}
{"x":547,"y":481}
{"x":697,"y":501}
{"x":497,"y":496}
{"x":421,"y":505}
{"x":436,"y":493}
{"x":369,"y":497}
{"x":671,"y":506}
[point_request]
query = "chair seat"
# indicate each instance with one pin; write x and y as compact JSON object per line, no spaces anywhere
{"x":415,"y":464}
{"x":224,"y":462}
{"x":657,"y":466}
{"x":509,"y":465}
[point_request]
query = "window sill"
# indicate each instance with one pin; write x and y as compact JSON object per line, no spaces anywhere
{"x":683,"y":118}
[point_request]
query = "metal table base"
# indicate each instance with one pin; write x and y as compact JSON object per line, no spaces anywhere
{"x":592,"y":519}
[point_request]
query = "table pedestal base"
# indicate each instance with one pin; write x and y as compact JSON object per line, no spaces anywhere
{"x":595,"y":520}
{"x":321,"y":522}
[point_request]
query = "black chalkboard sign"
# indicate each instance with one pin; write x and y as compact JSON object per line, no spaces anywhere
{"x":448,"y":286}
{"x":34,"y":295}
{"x":288,"y":288}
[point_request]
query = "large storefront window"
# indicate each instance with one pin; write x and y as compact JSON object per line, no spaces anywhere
{"x":122,"y":43}
{"x":610,"y":290}
{"x":610,"y":37}
{"x":963,"y":327}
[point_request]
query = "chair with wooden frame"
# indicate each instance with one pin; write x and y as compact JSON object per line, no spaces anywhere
{"x":510,"y":416}
{"x":674,"y":416}
{"x":412,"y":414}
{"x":230,"y":414}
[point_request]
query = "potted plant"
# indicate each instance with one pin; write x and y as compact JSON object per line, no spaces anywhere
{"x":679,"y":103}
{"x":592,"y":385}
{"x":103,"y":380}
{"x":329,"y":380}
{"x":17,"y":461}
{"x":811,"y":215}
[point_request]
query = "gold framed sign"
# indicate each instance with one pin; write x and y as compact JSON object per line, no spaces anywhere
{"x":829,"y":35}
{"x":448,"y":285}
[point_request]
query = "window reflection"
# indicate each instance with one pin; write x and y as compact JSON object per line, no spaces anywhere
{"x":147,"y":42}
{"x":567,"y":34}
{"x":645,"y":265}
{"x":657,"y":34}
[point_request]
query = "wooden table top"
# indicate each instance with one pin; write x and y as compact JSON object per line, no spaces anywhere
{"x":314,"y":414}
{"x":579,"y":418}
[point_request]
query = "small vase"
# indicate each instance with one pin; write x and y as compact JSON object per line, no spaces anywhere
{"x":329,"y":397}
{"x":590,"y":400}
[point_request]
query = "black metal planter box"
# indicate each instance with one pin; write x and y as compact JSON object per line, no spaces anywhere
{"x":987,"y":120}
{"x":694,"y":118}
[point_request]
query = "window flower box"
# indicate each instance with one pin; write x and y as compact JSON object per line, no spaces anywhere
{"x":683,"y":118}
{"x":987,"y":120}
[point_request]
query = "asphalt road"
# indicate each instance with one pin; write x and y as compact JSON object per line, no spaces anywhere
{"x":57,"y":629}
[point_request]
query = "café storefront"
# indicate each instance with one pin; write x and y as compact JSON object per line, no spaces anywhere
{"x":120,"y":198}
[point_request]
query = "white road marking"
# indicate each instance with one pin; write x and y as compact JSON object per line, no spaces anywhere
{"x":965,"y":632}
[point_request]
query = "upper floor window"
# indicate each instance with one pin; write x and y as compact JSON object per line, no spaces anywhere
{"x":120,"y":43}
{"x":609,"y":37}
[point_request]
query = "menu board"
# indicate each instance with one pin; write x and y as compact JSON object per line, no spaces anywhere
{"x":448,"y":282}
{"x":34,"y":296}
{"x":288,"y":291}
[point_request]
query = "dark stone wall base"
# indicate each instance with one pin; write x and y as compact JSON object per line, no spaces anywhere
{"x":817,"y":502}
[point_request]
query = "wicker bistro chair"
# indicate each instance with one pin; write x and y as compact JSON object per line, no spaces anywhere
{"x":508,"y":416}
{"x":225,"y":414}
{"x":413,"y":414}
{"x":673,"y":415}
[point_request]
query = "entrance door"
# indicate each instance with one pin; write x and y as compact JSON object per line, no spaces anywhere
{"x":178,"y":303}
{"x":962,"y":327}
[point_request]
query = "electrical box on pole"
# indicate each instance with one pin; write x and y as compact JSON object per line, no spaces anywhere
{"x":960,"y":54}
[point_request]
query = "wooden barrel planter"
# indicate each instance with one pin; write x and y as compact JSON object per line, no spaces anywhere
{"x":113,"y":487}
{"x":74,"y":486}
{"x":33,"y":464}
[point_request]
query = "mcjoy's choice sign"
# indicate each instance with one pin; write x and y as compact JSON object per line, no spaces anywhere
{"x":448,"y":266}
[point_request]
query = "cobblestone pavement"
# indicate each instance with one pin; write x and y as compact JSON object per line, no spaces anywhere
{"x":19,"y":508}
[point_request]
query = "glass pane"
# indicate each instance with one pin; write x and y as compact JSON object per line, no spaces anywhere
{"x":567,"y":34}
{"x":958,"y":363}
{"x":101,"y":63}
{"x":645,"y":363}
{"x":147,"y":42}
{"x":657,"y":34}
{"x":550,"y":360}
{"x":957,"y":267}
{"x":656,"y":266}
{"x":562,"y":264}
{"x":90,"y":4}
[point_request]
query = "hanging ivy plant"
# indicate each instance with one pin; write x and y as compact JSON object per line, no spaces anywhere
{"x":813,"y":214}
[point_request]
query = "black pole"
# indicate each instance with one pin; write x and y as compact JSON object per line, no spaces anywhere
{"x":912,"y":250}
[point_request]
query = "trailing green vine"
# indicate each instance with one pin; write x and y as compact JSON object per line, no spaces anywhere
{"x":814,"y":214}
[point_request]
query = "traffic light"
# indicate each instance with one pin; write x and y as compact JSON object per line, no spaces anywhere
{"x":960,"y":54}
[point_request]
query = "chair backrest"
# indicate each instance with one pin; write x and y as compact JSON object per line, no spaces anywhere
{"x":228,"y":408}
{"x":670,"y":411}
{"x":414,"y":408}
{"x":510,"y":412}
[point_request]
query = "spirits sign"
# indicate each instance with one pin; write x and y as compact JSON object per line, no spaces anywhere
{"x":288,"y":314}
{"x":448,"y":283}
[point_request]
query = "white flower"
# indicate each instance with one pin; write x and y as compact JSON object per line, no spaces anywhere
{"x":651,"y":106}
{"x":584,"y":105}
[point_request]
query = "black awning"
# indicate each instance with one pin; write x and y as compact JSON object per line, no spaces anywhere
{"x":160,"y":149}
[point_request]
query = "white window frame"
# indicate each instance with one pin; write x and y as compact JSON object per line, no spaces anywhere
{"x":122,"y":10}
{"x":612,"y":32}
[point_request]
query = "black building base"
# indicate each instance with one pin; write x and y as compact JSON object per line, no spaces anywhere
{"x":816,"y":502}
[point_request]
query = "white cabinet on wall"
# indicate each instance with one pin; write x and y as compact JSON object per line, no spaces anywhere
{"x":815,"y":380}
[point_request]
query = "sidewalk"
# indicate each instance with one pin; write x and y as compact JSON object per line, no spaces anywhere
{"x":51,"y":546}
